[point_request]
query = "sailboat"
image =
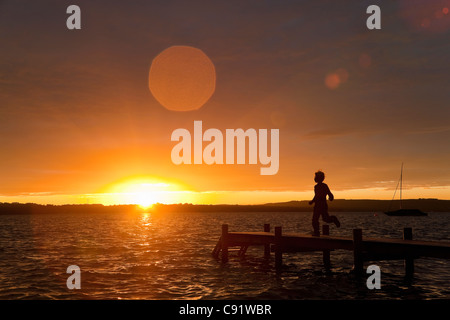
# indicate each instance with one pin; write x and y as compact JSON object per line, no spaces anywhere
{"x":401,"y":211}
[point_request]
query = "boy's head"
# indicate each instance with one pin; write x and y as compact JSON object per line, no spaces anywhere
{"x":319,"y":177}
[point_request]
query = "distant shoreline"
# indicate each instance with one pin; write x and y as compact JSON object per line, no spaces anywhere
{"x":338,"y":205}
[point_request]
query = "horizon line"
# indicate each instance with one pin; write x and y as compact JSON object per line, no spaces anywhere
{"x":215,"y":204}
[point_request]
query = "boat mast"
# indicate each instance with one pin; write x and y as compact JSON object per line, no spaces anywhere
{"x":401,"y":182}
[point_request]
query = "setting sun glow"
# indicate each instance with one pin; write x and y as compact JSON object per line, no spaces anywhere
{"x":144,"y":191}
{"x":143,"y":194}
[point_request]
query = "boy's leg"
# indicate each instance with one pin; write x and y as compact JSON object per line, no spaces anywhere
{"x":328,"y":219}
{"x":336,"y":221}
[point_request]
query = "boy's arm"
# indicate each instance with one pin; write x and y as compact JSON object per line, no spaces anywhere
{"x":330,"y":195}
{"x":314,"y":199}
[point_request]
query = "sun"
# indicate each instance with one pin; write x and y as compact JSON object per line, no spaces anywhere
{"x":143,"y":194}
{"x":142,"y":191}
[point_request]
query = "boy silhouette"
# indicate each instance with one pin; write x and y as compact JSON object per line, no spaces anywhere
{"x":321,"y":191}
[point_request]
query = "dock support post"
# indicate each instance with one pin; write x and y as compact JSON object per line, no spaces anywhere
{"x":326,"y":253}
{"x":357,"y":251}
{"x":278,"y":250}
{"x":225,"y":243}
{"x":267,"y":246}
{"x":409,"y":261}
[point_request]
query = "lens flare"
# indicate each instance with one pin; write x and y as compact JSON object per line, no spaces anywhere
{"x":334,"y":79}
{"x":182,"y":78}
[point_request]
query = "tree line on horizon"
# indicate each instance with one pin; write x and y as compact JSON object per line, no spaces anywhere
{"x":338,"y":205}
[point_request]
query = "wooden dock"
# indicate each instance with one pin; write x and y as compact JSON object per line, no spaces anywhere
{"x":364,"y":249}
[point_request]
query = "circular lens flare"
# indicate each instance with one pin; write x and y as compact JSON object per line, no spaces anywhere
{"x":182,"y":78}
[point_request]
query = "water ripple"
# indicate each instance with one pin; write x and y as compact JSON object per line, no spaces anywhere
{"x":125,"y":256}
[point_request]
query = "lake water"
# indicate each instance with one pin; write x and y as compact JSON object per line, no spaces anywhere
{"x":168,"y":256}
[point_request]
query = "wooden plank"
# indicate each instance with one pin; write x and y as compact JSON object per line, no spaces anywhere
{"x":407,"y":247}
{"x":217,"y":248}
{"x":390,"y":247}
{"x":370,"y":256}
{"x":326,"y":253}
{"x":270,"y":237}
{"x":287,"y":248}
{"x":224,"y":243}
{"x":278,"y":250}
{"x":412,"y":242}
{"x":252,"y":237}
{"x":319,"y":243}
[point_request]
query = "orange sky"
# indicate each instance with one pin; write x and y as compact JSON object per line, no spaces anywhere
{"x":78,"y":123}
